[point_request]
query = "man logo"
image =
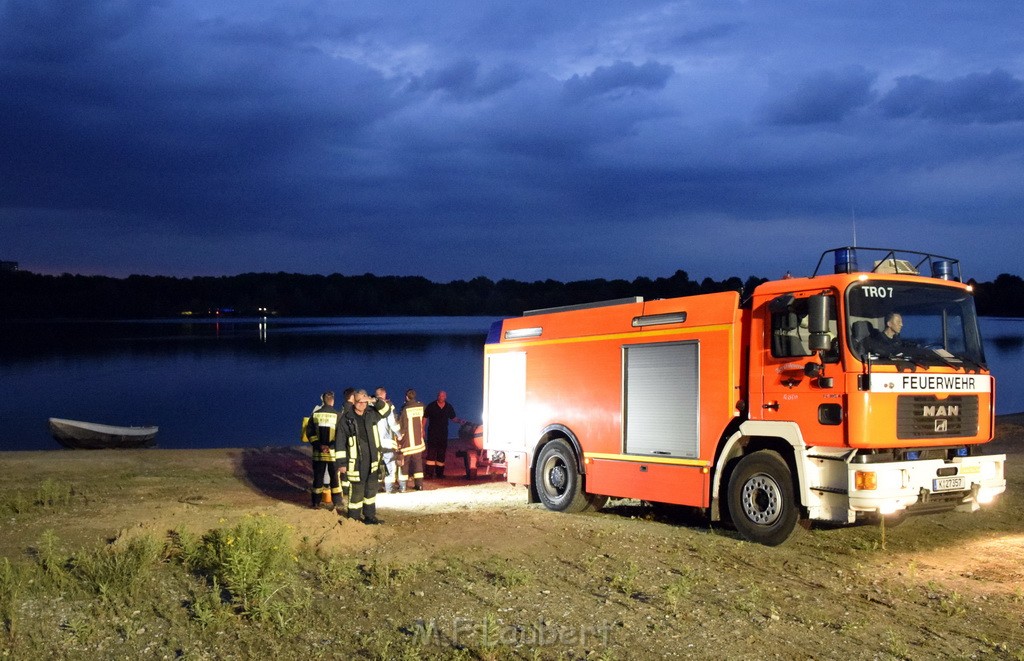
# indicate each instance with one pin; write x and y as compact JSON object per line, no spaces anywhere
{"x":941,"y":426}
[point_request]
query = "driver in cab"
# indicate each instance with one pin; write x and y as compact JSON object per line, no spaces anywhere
{"x":887,"y":342}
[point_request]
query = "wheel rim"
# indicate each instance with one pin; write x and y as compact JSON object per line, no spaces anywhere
{"x":762,"y":499}
{"x":555,"y":476}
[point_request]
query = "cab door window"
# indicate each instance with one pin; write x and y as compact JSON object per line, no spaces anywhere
{"x":789,"y":332}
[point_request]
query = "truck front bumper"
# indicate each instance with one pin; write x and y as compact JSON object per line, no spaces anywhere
{"x":963,"y":483}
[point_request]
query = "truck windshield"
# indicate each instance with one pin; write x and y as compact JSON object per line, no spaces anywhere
{"x":899,"y":322}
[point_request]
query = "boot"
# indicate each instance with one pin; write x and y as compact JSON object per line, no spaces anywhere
{"x":315,"y":500}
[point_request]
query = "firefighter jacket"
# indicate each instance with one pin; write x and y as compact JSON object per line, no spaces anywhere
{"x":322,"y":432}
{"x":361,"y":453}
{"x":410,"y":423}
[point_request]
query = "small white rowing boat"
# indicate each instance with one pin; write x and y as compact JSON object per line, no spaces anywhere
{"x":92,"y":436}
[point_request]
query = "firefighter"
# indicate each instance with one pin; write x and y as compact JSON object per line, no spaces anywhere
{"x":321,"y":431}
{"x":363,"y":454}
{"x":410,"y":442}
{"x":348,"y":394}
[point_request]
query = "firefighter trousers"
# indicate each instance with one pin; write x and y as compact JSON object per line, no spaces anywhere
{"x":412,"y":467}
{"x":318,"y":482}
{"x":362,"y":499}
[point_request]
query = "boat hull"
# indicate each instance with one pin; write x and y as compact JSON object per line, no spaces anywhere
{"x":79,"y":435}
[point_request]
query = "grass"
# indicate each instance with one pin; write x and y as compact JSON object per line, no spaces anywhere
{"x":502,"y":573}
{"x":624,"y":581}
{"x":250,"y":590}
{"x":11,"y":581}
{"x":98,"y":597}
{"x":250,"y":587}
{"x":252,"y":565}
{"x":895,"y":645}
{"x":682,"y":586}
{"x":53,"y":494}
{"x":119,"y":570}
{"x":49,"y":496}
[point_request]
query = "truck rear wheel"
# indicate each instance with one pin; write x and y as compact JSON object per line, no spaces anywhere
{"x":558,"y":481}
{"x":761,"y":499}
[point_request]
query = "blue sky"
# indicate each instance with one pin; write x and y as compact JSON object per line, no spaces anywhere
{"x":527,"y":140}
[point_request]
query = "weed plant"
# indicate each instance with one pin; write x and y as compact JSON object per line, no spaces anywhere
{"x":10,"y":589}
{"x":625,"y":581}
{"x":503,"y":575}
{"x":52,"y":561}
{"x":253,"y":564}
{"x":117,"y":571}
{"x":53,"y":494}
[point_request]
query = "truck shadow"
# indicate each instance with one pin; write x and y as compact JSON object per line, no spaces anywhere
{"x":697,"y":520}
{"x":673,"y":515}
{"x":281,"y":473}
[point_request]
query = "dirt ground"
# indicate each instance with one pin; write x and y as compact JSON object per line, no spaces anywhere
{"x":627,"y":582}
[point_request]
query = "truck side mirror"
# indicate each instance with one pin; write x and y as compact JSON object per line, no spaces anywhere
{"x":819,"y":342}
{"x":816,"y":371}
{"x":819,"y":308}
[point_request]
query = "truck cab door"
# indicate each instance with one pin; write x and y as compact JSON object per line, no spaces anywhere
{"x":798,"y":384}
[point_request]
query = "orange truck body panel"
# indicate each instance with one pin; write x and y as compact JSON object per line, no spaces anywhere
{"x":575,"y":381}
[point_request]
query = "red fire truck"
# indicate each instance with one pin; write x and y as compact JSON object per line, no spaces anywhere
{"x":858,"y":392}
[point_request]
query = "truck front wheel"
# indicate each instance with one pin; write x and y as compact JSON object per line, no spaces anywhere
{"x":761,"y":499}
{"x":558,"y":481}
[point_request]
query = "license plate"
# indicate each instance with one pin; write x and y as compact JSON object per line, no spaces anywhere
{"x":951,"y":483}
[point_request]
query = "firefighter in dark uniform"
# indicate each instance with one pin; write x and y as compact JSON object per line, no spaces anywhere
{"x":322,"y":432}
{"x":362,"y":461}
{"x":348,"y":394}
{"x":411,"y":445}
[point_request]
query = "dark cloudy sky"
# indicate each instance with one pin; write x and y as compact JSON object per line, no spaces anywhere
{"x":521,"y":139}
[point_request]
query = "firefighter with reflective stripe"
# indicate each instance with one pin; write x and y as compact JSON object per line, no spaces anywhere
{"x":322,"y":432}
{"x":411,"y":446}
{"x":363,"y":454}
{"x":348,"y":394}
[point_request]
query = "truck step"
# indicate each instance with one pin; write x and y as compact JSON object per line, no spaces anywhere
{"x":837,"y":490}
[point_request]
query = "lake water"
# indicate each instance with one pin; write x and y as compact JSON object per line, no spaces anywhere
{"x":228,"y":383}
{"x":248,"y":382}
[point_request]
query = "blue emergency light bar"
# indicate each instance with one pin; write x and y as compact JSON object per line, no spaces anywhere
{"x":890,"y":260}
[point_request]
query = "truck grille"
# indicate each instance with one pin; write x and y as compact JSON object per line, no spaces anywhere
{"x":925,"y":416}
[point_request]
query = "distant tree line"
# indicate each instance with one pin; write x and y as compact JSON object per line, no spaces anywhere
{"x":1003,"y":297}
{"x":26,"y":295}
